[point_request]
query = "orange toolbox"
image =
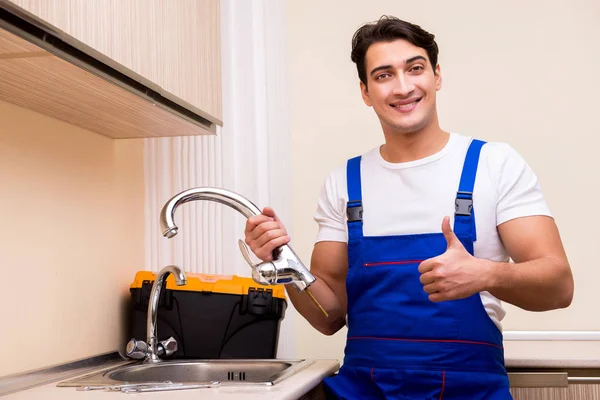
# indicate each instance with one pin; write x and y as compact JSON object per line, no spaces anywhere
{"x":212,"y":316}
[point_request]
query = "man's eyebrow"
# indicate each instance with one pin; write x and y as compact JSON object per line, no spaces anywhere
{"x":415,"y":58}
{"x":381,"y":67}
{"x":407,"y":61}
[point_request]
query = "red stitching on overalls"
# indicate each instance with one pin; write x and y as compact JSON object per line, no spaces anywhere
{"x":372,"y":378}
{"x":443,"y":384}
{"x":374,"y":264}
{"x":425,"y":340}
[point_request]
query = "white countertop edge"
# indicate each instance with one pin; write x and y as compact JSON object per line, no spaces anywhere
{"x":290,"y":389}
{"x":311,"y":380}
{"x":551,"y":363}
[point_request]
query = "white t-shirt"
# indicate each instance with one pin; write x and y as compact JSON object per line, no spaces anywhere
{"x":413,"y":197}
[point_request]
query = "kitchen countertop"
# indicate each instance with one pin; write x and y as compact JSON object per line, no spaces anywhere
{"x":552,"y":353}
{"x":291,"y":388}
{"x":551,"y":363}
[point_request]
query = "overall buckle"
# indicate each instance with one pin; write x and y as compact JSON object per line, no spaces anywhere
{"x":464,"y":203}
{"x":354,"y":211}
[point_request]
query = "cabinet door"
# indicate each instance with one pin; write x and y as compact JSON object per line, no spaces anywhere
{"x":189,"y":51}
{"x":172,"y":43}
{"x":572,"y":392}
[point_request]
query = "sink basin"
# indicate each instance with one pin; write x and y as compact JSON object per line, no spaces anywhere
{"x":182,"y":374}
{"x":208,"y":371}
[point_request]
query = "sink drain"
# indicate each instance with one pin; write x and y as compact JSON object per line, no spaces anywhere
{"x":236,"y":376}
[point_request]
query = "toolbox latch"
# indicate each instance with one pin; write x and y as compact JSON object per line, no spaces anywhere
{"x":143,"y":296}
{"x":259,"y":301}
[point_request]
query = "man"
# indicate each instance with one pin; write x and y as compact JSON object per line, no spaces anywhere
{"x":400,"y":257}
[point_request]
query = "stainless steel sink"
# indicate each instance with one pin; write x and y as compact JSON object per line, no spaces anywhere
{"x":209,"y":371}
{"x":187,"y":374}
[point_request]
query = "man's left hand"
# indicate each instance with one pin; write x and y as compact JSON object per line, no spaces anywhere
{"x":455,"y":274}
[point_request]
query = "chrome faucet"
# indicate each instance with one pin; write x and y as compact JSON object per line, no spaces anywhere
{"x":152,"y":349}
{"x":286,"y":267}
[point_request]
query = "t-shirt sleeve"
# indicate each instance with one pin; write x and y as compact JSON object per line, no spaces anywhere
{"x":330,"y":215}
{"x":519,"y":192}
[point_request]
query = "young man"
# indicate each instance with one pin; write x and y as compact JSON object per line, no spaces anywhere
{"x":415,"y":237}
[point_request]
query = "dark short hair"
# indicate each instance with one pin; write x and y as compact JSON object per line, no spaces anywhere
{"x":388,"y":29}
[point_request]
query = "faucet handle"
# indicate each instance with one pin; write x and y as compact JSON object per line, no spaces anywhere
{"x":136,"y":349}
{"x":256,"y":274}
{"x":246,"y":253}
{"x":167,"y":347}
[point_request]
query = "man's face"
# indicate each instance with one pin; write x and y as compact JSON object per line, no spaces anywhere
{"x":402,"y":86}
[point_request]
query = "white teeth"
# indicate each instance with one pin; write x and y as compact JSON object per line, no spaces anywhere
{"x":404,"y":105}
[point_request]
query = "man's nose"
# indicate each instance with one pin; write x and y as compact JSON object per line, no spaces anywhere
{"x":403,"y":86}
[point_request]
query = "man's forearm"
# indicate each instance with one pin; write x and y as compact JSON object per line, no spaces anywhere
{"x":537,"y":285}
{"x":312,"y":313}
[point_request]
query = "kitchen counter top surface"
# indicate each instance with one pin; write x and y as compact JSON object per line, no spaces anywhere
{"x":291,"y":388}
{"x":552,"y":354}
{"x":551,"y":363}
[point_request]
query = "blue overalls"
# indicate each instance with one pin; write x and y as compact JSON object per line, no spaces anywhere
{"x":400,"y":345}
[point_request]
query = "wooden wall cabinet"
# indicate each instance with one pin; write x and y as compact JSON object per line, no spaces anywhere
{"x":173,"y":44}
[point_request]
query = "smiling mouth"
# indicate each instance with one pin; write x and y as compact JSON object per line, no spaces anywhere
{"x":406,"y":106}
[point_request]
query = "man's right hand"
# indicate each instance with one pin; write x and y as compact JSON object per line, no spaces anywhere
{"x":264,"y":233}
{"x":329,"y":264}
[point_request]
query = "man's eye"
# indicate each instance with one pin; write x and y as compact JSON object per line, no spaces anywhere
{"x":417,"y":68}
{"x":382,"y":76}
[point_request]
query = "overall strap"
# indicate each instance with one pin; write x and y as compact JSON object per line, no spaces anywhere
{"x":354,"y":208}
{"x":464,"y":215}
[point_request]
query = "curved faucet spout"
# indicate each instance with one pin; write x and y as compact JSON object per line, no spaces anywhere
{"x":231,"y":199}
{"x":286,"y":266}
{"x":151,"y":318}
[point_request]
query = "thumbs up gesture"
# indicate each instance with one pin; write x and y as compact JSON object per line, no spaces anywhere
{"x":455,"y":274}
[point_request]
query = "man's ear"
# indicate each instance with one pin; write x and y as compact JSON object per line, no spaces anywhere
{"x":364,"y":91}
{"x":438,"y":77}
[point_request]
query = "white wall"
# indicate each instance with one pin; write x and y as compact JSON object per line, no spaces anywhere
{"x":525,"y":73}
